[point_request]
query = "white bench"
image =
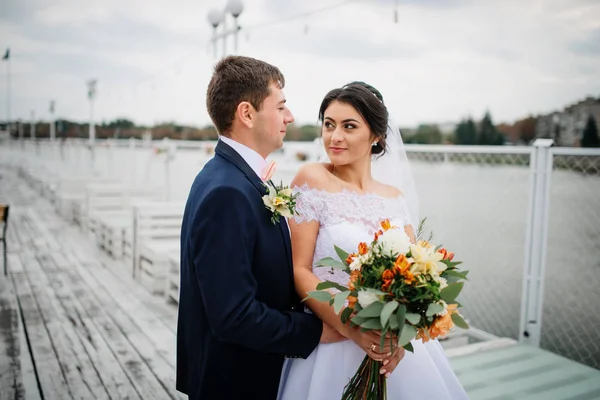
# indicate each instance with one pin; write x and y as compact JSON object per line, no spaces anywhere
{"x":106,"y":201}
{"x":156,"y":235}
{"x":69,"y":194}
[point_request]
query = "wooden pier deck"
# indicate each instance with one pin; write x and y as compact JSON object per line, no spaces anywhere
{"x":75,"y":325}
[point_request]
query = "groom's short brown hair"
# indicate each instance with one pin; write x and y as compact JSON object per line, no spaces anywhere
{"x":236,"y":79}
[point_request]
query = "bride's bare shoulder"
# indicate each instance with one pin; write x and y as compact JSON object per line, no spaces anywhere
{"x":389,"y":191}
{"x":314,"y":175}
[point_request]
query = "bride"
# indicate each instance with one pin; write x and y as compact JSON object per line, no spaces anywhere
{"x":341,"y":203}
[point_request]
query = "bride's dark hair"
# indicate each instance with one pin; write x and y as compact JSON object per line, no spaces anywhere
{"x":368,"y":102}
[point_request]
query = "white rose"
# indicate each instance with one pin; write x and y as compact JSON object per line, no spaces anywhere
{"x":355,"y":264}
{"x":444,"y":311}
{"x":394,"y":241}
{"x":442,"y":281}
{"x":365,"y":299}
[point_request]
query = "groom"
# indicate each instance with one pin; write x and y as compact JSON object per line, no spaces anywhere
{"x":236,"y":321}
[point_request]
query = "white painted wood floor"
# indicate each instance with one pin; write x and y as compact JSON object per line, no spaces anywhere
{"x":79,"y":326}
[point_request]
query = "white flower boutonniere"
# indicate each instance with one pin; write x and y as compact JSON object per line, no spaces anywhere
{"x":280,"y":201}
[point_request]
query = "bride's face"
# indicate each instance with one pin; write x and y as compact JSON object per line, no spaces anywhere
{"x":346,"y":136}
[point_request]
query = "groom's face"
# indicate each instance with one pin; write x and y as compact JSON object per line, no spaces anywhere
{"x":272,"y":121}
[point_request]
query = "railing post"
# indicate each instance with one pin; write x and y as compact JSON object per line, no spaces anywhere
{"x":534,"y":268}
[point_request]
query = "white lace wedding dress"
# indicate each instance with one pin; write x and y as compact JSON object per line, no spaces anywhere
{"x":347,"y":218}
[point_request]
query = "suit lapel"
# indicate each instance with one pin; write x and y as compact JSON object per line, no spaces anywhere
{"x":227,"y":152}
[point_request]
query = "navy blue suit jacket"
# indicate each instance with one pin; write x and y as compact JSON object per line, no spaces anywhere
{"x":236,"y":322}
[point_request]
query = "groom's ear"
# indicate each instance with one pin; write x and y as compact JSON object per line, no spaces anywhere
{"x":245,"y":113}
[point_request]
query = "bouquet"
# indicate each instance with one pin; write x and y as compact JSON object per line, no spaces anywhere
{"x":397,"y":287}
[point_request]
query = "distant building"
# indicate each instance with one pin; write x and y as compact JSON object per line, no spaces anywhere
{"x":566,"y":127}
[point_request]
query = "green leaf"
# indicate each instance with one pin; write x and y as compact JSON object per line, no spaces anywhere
{"x":400,"y":317}
{"x":341,"y":254}
{"x":387,"y":312}
{"x":408,"y":333}
{"x":451,"y":292}
{"x":409,"y":347}
{"x":373,"y":310}
{"x":372,"y":324}
{"x":455,"y":274}
{"x":459,"y":321}
{"x":356,"y":320}
{"x":318,"y":295}
{"x":346,"y":314}
{"x":413,"y":318}
{"x":329,"y":285}
{"x":339,"y":300}
{"x":382,"y":340}
{"x":330,"y":262}
{"x":433,"y":309}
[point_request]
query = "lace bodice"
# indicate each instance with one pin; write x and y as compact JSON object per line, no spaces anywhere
{"x":345,"y":219}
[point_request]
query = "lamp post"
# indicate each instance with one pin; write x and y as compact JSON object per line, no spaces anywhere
{"x":218,"y":17}
{"x":215,"y":17}
{"x":52,"y":122}
{"x":235,"y":7}
{"x":32,"y":126}
{"x":91,"y":95}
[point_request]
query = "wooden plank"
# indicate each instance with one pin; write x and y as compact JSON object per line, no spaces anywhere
{"x":52,"y":381}
{"x":101,"y":357}
{"x":11,"y":385}
{"x":81,"y":376}
{"x":28,"y":372}
{"x":136,"y":358}
{"x":105,"y":362}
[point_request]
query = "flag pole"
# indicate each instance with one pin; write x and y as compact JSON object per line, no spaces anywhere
{"x":7,"y":58}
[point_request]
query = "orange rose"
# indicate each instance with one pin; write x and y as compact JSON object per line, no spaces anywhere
{"x":362,"y":248}
{"x":350,"y":258}
{"x":386,"y":225}
{"x":377,"y":234}
{"x":388,"y":275}
{"x":409,"y":277}
{"x":446,"y":254}
{"x":401,"y":263}
{"x":386,"y":286}
{"x":442,"y":325}
{"x":423,"y":335}
{"x":352,"y":301}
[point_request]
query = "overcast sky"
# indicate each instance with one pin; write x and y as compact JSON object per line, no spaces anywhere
{"x":443,"y":60}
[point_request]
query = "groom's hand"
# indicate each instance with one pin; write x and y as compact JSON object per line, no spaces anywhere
{"x":330,"y":335}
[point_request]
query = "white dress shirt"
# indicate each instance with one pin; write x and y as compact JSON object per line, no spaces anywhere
{"x":252,"y":158}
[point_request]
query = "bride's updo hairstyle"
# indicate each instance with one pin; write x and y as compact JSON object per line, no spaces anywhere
{"x":368,"y":102}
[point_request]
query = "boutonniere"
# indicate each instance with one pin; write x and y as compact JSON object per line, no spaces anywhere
{"x":280,"y":201}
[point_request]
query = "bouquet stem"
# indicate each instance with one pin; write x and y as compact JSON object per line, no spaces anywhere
{"x":367,"y":383}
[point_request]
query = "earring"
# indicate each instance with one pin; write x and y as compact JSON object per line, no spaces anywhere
{"x":374,"y":144}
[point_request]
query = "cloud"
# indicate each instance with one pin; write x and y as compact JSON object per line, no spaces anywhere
{"x":590,"y":46}
{"x":443,"y":59}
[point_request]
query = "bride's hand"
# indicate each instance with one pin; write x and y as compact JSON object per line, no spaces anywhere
{"x":370,"y":342}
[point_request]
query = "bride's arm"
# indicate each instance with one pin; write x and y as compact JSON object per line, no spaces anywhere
{"x":304,"y":238}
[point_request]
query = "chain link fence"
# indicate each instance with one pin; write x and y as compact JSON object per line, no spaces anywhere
{"x":571,"y":313}
{"x":475,"y":201}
